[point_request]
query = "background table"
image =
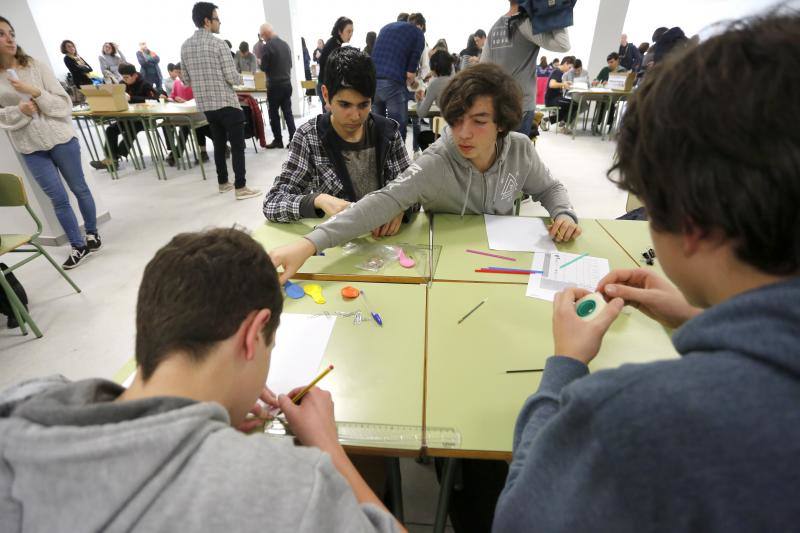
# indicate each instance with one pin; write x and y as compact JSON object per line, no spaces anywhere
{"x":633,"y":236}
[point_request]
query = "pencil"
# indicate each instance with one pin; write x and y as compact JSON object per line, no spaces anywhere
{"x":576,"y":259}
{"x":491,"y":255}
{"x":525,"y":370}
{"x":303,"y":392}
{"x":463,"y":318}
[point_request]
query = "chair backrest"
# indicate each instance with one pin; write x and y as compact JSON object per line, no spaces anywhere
{"x":437,"y":125}
{"x":541,"y":88}
{"x":632,"y":203}
{"x":12,"y":191}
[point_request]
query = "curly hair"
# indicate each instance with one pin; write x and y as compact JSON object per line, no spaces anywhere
{"x":733,"y":166}
{"x":484,"y":79}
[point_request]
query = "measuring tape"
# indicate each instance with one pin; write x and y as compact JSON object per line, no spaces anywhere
{"x":385,"y":435}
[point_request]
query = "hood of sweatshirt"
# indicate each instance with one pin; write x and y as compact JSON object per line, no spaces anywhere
{"x":761,"y":324}
{"x":55,"y":436}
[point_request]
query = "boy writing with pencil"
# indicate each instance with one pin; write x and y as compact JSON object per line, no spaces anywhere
{"x":478,"y":165}
{"x":710,"y":441}
{"x":164,"y":454}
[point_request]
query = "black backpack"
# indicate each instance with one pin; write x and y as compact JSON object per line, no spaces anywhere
{"x":5,"y":304}
{"x":548,"y":15}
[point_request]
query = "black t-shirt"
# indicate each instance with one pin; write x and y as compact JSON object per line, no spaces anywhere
{"x":360,"y":160}
{"x":552,"y":95}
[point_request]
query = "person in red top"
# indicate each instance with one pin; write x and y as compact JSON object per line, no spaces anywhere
{"x":183,"y":93}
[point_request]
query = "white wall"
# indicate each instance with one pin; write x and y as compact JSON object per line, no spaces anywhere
{"x":451,"y":20}
{"x":693,"y":16}
{"x":163,"y":24}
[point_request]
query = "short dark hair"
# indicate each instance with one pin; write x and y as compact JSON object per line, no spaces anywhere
{"x":196,"y":292}
{"x":644,"y":47}
{"x":126,"y":69}
{"x":349,"y":68}
{"x":64,"y":44}
{"x":578,"y":64}
{"x":484,"y":79}
{"x":568,"y":60}
{"x":173,"y":66}
{"x":479,"y":34}
{"x":612,"y":55}
{"x":418,"y":20}
{"x":202,"y":11}
{"x":339,"y":26}
{"x":442,"y":63}
{"x":732,"y":167}
{"x":659,"y":32}
{"x":402,"y":17}
{"x":244,"y":47}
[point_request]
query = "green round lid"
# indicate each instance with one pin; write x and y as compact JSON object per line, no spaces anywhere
{"x":586,"y":308}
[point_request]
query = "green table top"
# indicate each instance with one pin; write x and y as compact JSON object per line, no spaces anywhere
{"x":634,"y":237}
{"x":336,"y":265}
{"x":456,"y":234}
{"x":378,"y":371}
{"x":468,"y":388}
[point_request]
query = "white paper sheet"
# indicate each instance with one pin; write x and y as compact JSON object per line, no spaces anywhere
{"x":518,"y":234}
{"x":299,"y":346}
{"x":585,"y":273}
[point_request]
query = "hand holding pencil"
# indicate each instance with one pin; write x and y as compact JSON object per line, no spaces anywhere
{"x":312,"y":420}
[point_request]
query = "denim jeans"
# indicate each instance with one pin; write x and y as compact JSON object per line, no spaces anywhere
{"x":45,"y":166}
{"x":227,"y":124}
{"x":279,"y":99}
{"x":527,"y":122}
{"x":391,"y":99}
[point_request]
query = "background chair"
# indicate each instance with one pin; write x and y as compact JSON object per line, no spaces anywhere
{"x":12,"y":194}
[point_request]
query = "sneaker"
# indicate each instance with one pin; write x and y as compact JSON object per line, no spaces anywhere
{"x":76,"y":256}
{"x":244,"y":193}
{"x":101,"y":165}
{"x":93,"y":241}
{"x":225,"y":187}
{"x":171,"y":159}
{"x":275,"y":144}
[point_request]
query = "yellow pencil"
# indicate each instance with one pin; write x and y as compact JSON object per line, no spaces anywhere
{"x":303,"y":392}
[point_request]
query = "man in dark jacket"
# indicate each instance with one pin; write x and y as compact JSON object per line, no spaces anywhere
{"x":629,"y":56}
{"x":340,"y":156}
{"x":276,"y":62}
{"x":709,"y":441}
{"x":137,"y":90}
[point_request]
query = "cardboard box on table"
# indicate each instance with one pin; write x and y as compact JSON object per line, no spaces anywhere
{"x":108,"y":97}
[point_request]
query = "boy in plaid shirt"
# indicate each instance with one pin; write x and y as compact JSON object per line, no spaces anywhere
{"x":342,"y":155}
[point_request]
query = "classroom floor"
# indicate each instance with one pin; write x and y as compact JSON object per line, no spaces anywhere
{"x":91,"y":334}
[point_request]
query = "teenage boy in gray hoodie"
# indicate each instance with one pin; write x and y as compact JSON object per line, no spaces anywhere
{"x":478,"y":165}
{"x":710,"y":441}
{"x":164,"y":455}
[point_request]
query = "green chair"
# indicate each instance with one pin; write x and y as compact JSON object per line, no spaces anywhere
{"x":12,"y":194}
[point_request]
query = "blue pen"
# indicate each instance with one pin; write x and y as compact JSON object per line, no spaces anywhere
{"x":376,"y":316}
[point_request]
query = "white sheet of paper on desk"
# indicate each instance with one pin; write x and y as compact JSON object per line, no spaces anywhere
{"x":584,"y":273}
{"x":299,"y":346}
{"x":518,"y":234}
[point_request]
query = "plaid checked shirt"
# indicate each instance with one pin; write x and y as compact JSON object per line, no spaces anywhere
{"x":209,"y":70}
{"x":309,"y":171}
{"x":397,"y":50}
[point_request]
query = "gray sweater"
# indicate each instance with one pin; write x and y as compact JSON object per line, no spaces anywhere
{"x":109,"y":65}
{"x":432,"y":94}
{"x":75,"y":460}
{"x":517,"y":54}
{"x":443,"y":181}
{"x":708,"y":442}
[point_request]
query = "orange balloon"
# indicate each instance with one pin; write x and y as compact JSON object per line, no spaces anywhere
{"x":350,"y":292}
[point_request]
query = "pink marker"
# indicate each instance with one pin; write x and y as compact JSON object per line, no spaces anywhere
{"x":487,"y":254}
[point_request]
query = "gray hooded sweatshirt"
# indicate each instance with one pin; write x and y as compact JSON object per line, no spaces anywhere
{"x":707,"y":442}
{"x":72,"y":459}
{"x":443,"y":181}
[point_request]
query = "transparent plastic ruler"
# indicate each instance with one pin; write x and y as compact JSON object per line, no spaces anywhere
{"x":384,"y":435}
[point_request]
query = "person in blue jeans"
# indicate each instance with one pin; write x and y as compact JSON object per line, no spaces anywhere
{"x":37,"y":113}
{"x":396,"y":56}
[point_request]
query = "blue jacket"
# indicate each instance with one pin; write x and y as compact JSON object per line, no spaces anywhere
{"x":707,"y":442}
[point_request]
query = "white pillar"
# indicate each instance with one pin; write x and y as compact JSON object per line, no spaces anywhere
{"x":17,"y":220}
{"x":610,"y":20}
{"x":282,"y":14}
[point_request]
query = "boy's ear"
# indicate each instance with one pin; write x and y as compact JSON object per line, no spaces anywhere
{"x":253,"y":331}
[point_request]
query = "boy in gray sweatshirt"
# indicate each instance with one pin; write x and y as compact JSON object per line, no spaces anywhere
{"x":479,"y":165}
{"x":710,"y":441}
{"x":165,"y":454}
